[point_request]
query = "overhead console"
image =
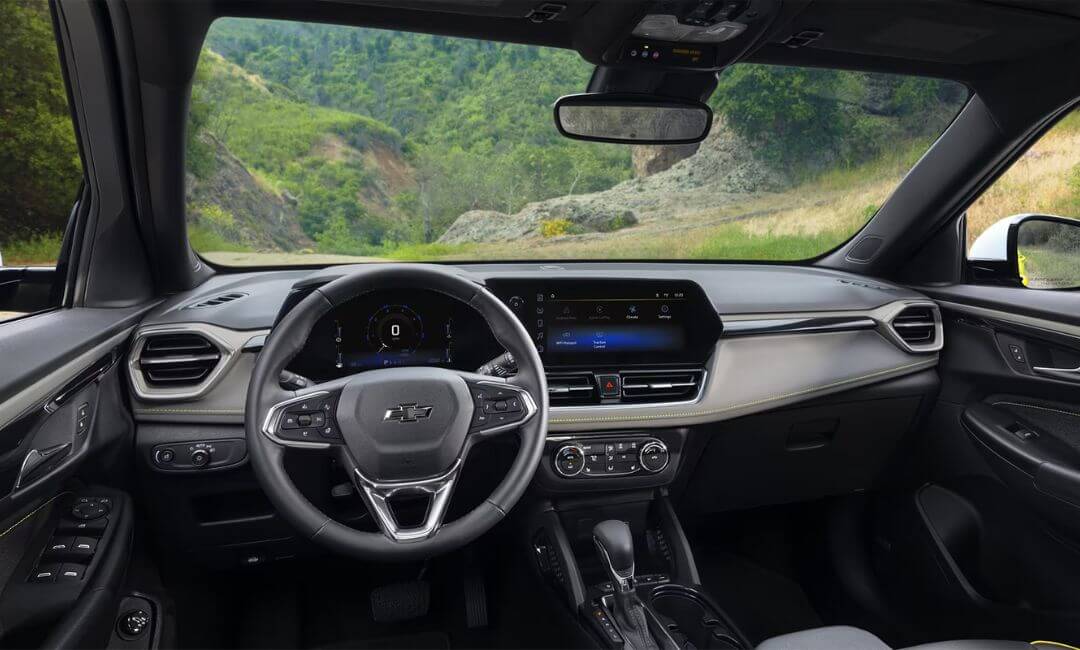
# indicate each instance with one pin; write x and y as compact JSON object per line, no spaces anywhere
{"x":614,"y":342}
{"x":693,"y":34}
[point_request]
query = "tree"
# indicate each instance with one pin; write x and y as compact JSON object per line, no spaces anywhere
{"x":40,"y":168}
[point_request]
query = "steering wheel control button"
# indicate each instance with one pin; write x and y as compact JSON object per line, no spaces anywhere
{"x":654,"y":457}
{"x":569,"y":461}
{"x":496,"y":406}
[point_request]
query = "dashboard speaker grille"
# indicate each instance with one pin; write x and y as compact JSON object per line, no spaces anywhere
{"x":177,"y":360}
{"x":660,"y":385}
{"x":217,"y":300}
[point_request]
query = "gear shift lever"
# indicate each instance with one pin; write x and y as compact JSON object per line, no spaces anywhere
{"x":616,"y":548}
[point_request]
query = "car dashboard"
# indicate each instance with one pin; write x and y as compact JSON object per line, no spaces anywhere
{"x":710,"y":377}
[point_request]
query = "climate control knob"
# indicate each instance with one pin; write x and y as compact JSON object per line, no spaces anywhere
{"x":569,"y":460}
{"x":654,"y":456}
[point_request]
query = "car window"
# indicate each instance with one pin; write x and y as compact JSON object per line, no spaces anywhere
{"x":1045,"y":180}
{"x":40,"y":168}
{"x":321,"y":144}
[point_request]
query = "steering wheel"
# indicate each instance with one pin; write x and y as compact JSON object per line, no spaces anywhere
{"x":398,"y":431}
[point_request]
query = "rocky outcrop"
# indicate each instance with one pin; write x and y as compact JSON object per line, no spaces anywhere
{"x":577,"y":216}
{"x":724,"y":169}
{"x":233,"y":204}
{"x":652,"y":159}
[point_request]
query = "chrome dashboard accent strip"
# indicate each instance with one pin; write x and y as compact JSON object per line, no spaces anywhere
{"x":1014,"y":318}
{"x":47,"y":387}
{"x":797,"y":325}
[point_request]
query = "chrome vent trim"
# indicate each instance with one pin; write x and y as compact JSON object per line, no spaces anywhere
{"x":572,"y":389}
{"x":214,"y":301}
{"x":183,"y":362}
{"x":177,"y":360}
{"x":651,"y":386}
{"x":916,"y":327}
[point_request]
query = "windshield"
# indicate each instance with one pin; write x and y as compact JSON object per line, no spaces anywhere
{"x":313,"y":144}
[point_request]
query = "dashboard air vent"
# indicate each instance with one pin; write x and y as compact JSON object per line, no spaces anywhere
{"x":217,"y":300}
{"x":177,"y":360}
{"x":661,"y":385}
{"x":918,"y":327}
{"x":572,"y":389}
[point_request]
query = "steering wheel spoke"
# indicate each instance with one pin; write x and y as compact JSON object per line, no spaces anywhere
{"x":377,"y":496}
{"x":499,"y":406}
{"x":306,"y":421}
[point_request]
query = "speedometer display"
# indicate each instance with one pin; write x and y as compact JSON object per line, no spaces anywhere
{"x":395,"y":329}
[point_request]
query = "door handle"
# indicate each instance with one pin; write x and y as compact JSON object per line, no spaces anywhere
{"x":1068,"y":374}
{"x":38,"y":460}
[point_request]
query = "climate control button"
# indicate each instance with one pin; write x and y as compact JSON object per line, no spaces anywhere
{"x":569,"y":460}
{"x":654,"y":456}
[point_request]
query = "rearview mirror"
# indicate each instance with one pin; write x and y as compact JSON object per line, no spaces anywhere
{"x":1040,"y":251}
{"x":632,"y":119}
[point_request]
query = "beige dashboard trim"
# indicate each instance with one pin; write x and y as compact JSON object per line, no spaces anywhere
{"x":694,"y":413}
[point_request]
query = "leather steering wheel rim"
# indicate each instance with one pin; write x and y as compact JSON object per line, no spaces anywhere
{"x":267,"y":452}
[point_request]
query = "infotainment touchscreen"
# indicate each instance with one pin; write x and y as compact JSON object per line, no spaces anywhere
{"x":583,"y":325}
{"x":613,"y":323}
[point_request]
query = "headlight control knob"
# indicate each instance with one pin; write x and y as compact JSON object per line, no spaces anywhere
{"x":654,"y":456}
{"x":569,"y":460}
{"x":200,"y":457}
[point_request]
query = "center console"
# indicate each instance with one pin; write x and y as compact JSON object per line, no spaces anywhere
{"x":622,"y":563}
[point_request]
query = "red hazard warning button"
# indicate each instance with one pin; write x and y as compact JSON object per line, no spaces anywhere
{"x":609,"y":385}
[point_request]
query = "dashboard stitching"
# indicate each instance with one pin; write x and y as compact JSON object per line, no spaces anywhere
{"x":733,"y":407}
{"x":1040,"y":408}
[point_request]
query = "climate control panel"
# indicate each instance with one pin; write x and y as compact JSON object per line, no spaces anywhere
{"x":610,"y":457}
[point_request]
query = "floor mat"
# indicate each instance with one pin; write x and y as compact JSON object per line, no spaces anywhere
{"x":749,"y":563}
{"x":762,"y":603}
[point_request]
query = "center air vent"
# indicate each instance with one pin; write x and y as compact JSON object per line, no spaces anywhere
{"x":661,"y":385}
{"x":572,"y":389}
{"x":177,"y":360}
{"x":918,"y":327}
{"x":217,"y":300}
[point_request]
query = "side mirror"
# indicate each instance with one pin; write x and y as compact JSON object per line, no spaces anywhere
{"x":1038,"y":251}
{"x":628,"y":118}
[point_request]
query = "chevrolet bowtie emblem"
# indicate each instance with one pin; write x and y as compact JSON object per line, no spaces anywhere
{"x":407,"y":413}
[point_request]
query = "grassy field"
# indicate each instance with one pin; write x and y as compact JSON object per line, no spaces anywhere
{"x":1046,"y":268}
{"x":39,"y":250}
{"x":1044,"y":180}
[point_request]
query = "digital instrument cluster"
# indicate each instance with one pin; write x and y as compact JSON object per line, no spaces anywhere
{"x":393,"y":328}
